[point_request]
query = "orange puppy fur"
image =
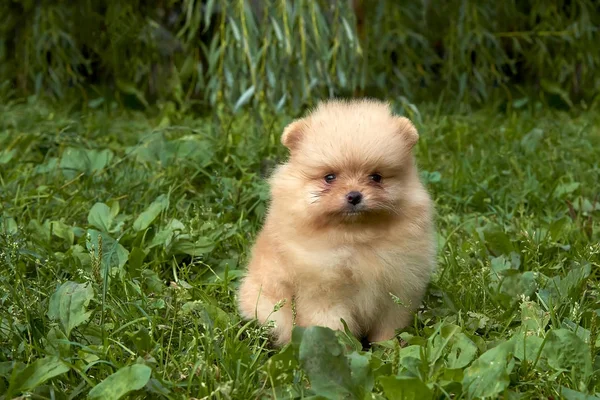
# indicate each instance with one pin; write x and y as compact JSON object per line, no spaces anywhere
{"x":349,"y":225}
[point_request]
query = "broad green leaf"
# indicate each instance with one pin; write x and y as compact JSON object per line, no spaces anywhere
{"x":349,"y":340}
{"x":58,"y":343}
{"x":297,"y":335}
{"x":520,"y":103}
{"x":80,"y":254}
{"x":430,"y":177}
{"x":136,"y":260}
{"x":151,"y":280}
{"x":533,"y":318}
{"x":43,"y":232}
{"x":531,"y":140}
{"x":150,"y":149}
{"x":142,"y":340}
{"x":156,"y":387}
{"x":405,"y":388}
{"x":193,"y":151}
{"x":165,"y":236}
{"x":527,"y":347}
{"x":362,"y":373}
{"x":574,"y":280}
{"x":100,"y":217}
{"x":210,"y":315}
{"x":585,"y":205}
{"x":498,"y":241}
{"x":462,"y":352}
{"x":114,"y":208}
{"x":557,"y":228}
{"x":566,"y":188}
{"x":98,"y":159}
{"x":435,"y":177}
{"x":7,"y":155}
{"x":68,"y":304}
{"x":10,"y":367}
{"x":190,"y":149}
{"x":201,"y":246}
{"x":557,"y":289}
{"x":8,"y":225}
{"x":281,"y":366}
{"x":76,"y":160}
{"x":37,"y":373}
{"x":323,"y":360}
{"x":50,"y":165}
{"x":125,"y":380}
{"x":529,"y":338}
{"x":95,"y":103}
{"x":216,"y":316}
{"x":61,"y":230}
{"x":515,"y":285}
{"x":489,"y":374}
{"x":500,"y":264}
{"x":437,"y":343}
{"x":144,"y":220}
{"x":569,"y":394}
{"x":566,"y":351}
{"x":192,"y":308}
{"x":410,"y":358}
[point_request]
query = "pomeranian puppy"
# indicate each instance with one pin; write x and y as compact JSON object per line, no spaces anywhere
{"x":349,"y":231}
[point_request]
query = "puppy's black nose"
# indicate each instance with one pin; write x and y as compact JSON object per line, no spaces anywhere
{"x":354,"y":197}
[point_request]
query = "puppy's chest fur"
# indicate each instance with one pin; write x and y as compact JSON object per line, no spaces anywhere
{"x":343,"y":271}
{"x":353,"y":277}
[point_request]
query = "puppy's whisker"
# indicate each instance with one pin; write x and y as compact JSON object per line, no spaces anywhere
{"x":390,"y":208}
{"x":315,"y":197}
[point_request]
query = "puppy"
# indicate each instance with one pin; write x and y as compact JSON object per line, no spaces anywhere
{"x":349,"y":231}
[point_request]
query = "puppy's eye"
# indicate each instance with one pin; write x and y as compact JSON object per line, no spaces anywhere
{"x":329,"y":178}
{"x":375,"y":178}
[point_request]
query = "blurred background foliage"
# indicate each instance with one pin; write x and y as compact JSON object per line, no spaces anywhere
{"x":192,"y":53}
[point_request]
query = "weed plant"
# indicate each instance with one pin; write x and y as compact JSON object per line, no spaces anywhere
{"x":123,"y":237}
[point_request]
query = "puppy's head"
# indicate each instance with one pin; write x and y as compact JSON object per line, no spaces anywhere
{"x":350,"y":162}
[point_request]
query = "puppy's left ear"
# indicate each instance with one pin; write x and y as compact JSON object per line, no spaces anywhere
{"x":408,"y":131}
{"x":293,"y":133}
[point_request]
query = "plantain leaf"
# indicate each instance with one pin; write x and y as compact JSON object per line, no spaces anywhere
{"x":144,"y":220}
{"x":125,"y":380}
{"x":36,"y":373}
{"x":489,"y":374}
{"x":322,"y":358}
{"x":567,"y":352}
{"x":68,"y":305}
{"x":100,"y":217}
{"x":405,"y":388}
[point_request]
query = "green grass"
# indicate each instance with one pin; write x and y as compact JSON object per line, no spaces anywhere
{"x":122,"y":238}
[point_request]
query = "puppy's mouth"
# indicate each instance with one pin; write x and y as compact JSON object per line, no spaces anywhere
{"x":354,"y":211}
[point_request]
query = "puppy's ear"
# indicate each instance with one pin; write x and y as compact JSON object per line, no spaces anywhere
{"x":292,"y":134}
{"x":408,"y":131}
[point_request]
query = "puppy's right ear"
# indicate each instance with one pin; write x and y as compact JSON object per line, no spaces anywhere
{"x":408,"y":131}
{"x":292,"y":134}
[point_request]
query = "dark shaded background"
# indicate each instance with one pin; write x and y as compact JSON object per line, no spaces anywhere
{"x":286,"y":53}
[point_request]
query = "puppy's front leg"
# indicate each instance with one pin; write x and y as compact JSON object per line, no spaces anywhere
{"x":312,"y":312}
{"x":394,"y":317}
{"x":260,"y":299}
